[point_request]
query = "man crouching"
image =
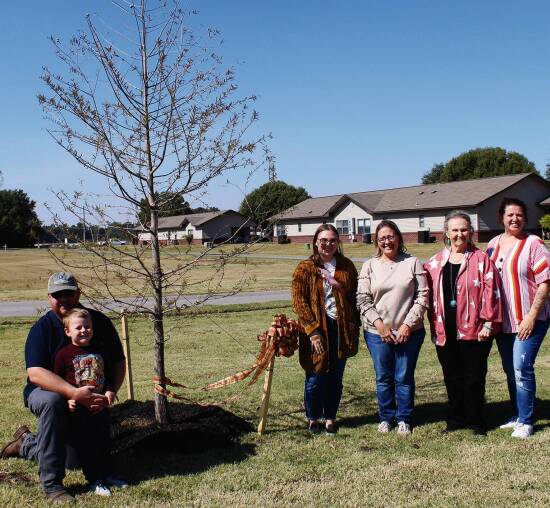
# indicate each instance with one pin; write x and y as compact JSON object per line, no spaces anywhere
{"x":46,"y":394}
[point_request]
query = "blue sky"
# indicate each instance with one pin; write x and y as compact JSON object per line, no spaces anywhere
{"x":358,"y":96}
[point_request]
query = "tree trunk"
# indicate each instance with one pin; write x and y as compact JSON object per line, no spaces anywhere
{"x":161,"y":404}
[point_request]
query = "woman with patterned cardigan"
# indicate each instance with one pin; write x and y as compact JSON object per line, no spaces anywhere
{"x":324,"y":298}
{"x":465,"y":308}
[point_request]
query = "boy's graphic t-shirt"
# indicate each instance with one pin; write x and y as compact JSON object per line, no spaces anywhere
{"x":81,"y":366}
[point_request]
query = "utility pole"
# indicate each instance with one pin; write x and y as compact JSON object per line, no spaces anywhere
{"x":272,"y":172}
{"x":84,"y":225}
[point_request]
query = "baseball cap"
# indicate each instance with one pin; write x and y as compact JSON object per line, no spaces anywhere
{"x":61,"y":281}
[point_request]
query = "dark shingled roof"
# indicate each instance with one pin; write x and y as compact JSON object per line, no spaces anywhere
{"x":312,"y":207}
{"x":367,"y":200}
{"x":195,"y":219}
{"x":462,"y":194}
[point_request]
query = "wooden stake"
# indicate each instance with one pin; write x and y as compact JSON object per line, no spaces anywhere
{"x":265,"y":396}
{"x":126,"y":345}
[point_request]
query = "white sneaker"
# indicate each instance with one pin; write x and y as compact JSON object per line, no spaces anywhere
{"x":522,"y":430}
{"x":511,"y":423}
{"x":384,"y":427}
{"x":100,"y":489}
{"x":404,"y":429}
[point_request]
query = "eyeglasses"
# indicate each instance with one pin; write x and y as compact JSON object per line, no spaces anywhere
{"x":324,"y":242}
{"x":383,"y":239}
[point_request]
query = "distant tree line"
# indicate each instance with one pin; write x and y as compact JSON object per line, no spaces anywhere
{"x":19,"y":224}
{"x":21,"y":227}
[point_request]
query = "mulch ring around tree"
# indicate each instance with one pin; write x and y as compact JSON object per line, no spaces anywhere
{"x":192,"y":427}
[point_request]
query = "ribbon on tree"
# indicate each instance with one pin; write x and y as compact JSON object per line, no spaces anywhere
{"x":159,"y":381}
{"x":281,"y":339}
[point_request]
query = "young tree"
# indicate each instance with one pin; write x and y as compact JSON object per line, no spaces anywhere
{"x":153,"y":111}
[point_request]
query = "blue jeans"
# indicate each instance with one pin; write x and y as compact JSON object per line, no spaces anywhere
{"x":518,"y":361}
{"x":322,"y":392}
{"x":394,"y":365}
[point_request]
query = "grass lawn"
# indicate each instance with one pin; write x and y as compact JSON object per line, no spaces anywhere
{"x":24,"y":273}
{"x":357,"y":467}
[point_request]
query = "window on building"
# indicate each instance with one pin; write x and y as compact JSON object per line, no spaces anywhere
{"x":363,"y":226}
{"x":281,"y":230}
{"x":342,"y":226}
{"x":421,"y":221}
{"x":299,"y":227}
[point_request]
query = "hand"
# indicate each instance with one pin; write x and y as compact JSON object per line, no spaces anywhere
{"x":72,"y":405}
{"x":403,"y":334}
{"x":317,"y":343}
{"x":525,"y":328}
{"x":85,"y":396}
{"x":484,"y":334}
{"x":111,"y":397}
{"x":384,"y":331}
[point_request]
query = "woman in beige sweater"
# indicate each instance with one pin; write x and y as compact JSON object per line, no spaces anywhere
{"x":392,"y":298}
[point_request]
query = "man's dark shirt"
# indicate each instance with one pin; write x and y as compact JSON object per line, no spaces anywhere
{"x":47,"y":337}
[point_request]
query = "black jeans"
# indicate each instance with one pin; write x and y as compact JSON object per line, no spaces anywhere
{"x":464,"y":364}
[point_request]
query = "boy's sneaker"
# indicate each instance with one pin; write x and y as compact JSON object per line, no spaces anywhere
{"x":404,"y":429}
{"x":522,"y":430}
{"x":511,"y":423}
{"x":100,"y":488}
{"x":114,"y":481}
{"x":384,"y":427}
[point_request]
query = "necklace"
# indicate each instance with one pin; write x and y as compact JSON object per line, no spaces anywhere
{"x":452,"y":282}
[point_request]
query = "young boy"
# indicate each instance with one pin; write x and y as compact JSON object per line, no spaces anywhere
{"x":82,"y":365}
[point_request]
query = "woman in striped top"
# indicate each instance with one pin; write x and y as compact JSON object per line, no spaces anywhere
{"x":523,"y":262}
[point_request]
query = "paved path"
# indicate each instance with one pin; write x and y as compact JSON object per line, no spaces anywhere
{"x":36,"y":307}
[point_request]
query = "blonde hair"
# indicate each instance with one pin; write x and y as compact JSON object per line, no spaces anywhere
{"x":75,"y":313}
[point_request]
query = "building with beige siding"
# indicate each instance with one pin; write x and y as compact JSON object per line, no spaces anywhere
{"x":199,"y":228}
{"x":418,"y":211}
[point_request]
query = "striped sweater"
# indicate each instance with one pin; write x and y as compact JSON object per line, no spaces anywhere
{"x":522,"y":269}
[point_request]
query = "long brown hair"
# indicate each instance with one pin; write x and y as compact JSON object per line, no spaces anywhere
{"x":316,"y":257}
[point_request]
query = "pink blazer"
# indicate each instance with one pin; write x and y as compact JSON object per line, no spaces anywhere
{"x":478,"y":295}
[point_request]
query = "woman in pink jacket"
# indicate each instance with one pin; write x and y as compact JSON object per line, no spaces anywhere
{"x":465,"y":307}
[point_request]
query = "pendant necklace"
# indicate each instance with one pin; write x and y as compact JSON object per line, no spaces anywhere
{"x":452,"y":281}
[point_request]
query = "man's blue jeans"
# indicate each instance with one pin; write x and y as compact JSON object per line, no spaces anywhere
{"x":394,"y":365}
{"x":322,"y":392}
{"x":518,"y":361}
